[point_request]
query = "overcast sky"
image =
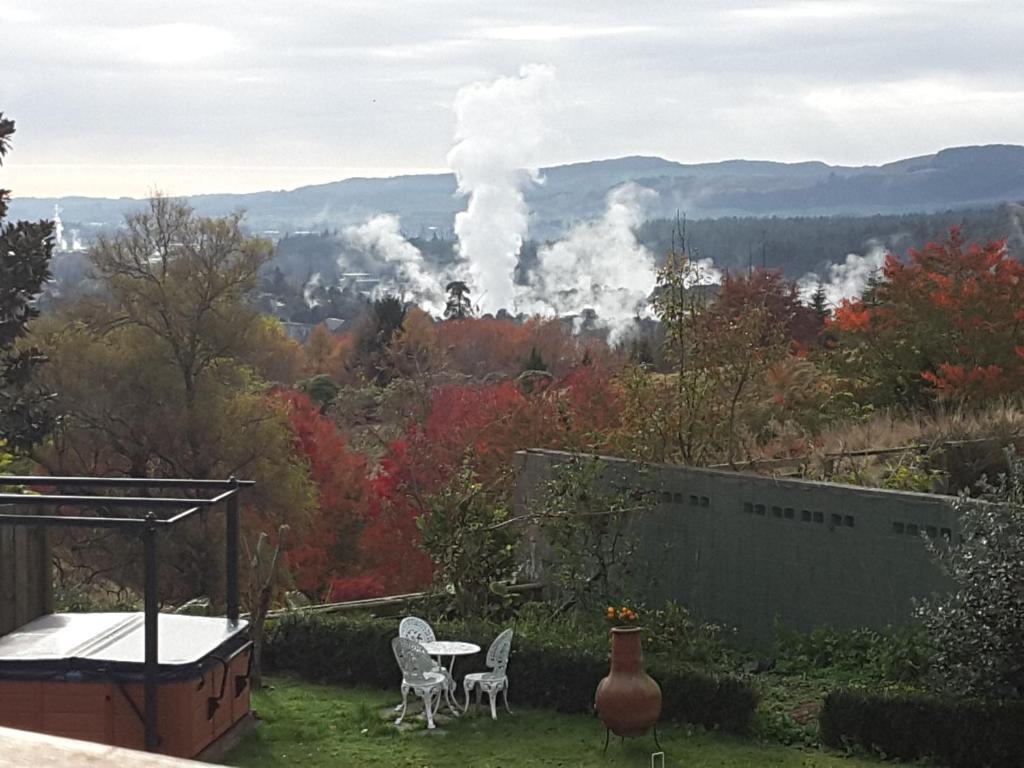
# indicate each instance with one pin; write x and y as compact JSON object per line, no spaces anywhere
{"x":119,"y":98}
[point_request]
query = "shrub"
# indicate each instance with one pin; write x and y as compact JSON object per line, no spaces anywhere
{"x":553,"y":666}
{"x":958,"y":734}
{"x":895,"y":655}
{"x":978,"y":630}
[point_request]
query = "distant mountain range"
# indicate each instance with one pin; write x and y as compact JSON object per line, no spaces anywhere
{"x":954,"y":178}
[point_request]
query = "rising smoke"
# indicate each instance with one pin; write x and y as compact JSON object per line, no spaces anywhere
{"x":847,"y":279}
{"x":500,"y":129}
{"x":381,"y":237}
{"x":599,"y":266}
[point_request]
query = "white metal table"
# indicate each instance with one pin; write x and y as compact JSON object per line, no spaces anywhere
{"x":450,"y":648}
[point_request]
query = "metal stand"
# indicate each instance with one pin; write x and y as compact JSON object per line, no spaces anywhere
{"x":622,"y":739}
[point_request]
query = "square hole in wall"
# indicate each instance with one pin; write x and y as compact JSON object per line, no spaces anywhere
{"x":666,"y":497}
{"x":819,"y":517}
{"x":693,"y":501}
{"x":946,"y":533}
{"x":932,"y":531}
{"x":788,"y":513}
{"x":837,"y":520}
{"x":805,"y":515}
{"x":759,"y":509}
{"x":748,"y":507}
{"x":848,"y":521}
{"x":911,"y":529}
{"x":705,"y":501}
{"x":776,"y":511}
{"x":677,"y":498}
{"x":898,"y":528}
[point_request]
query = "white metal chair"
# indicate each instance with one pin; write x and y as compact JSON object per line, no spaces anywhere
{"x":494,"y":681}
{"x":419,"y":675}
{"x":416,"y":629}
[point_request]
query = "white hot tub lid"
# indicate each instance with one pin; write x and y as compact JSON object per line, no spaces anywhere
{"x":116,"y":638}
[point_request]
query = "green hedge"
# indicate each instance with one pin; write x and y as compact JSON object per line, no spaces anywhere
{"x":552,"y":669}
{"x":959,"y":734}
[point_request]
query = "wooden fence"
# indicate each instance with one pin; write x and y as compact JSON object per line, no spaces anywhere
{"x":26,"y":589}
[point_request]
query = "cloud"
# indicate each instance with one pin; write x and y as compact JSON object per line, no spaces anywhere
{"x":554,"y":33}
{"x":357,"y":84}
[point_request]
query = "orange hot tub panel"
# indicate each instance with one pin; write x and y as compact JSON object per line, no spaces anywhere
{"x":82,"y":679}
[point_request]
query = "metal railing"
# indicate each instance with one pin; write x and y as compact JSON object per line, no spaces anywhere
{"x":148,"y":528}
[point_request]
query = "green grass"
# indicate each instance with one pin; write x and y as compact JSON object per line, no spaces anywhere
{"x":314,"y":725}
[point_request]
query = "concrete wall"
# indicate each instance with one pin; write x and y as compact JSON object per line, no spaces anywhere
{"x":26,"y":589}
{"x":744,"y":549}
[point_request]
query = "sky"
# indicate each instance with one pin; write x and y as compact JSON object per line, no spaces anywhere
{"x":115,"y":98}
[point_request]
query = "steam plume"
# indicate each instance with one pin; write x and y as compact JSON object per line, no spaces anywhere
{"x":311,"y":290}
{"x":500,"y":128}
{"x":382,"y":236}
{"x":847,"y":279}
{"x":599,"y":266}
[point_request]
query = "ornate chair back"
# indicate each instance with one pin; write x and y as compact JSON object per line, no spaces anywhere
{"x":497,"y":654}
{"x":412,"y":660}
{"x":416,"y":629}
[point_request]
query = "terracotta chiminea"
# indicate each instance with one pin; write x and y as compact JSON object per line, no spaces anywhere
{"x":628,"y":700}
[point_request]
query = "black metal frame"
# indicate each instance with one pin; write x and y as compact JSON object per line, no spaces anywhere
{"x":147,"y":529}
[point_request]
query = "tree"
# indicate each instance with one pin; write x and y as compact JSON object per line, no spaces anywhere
{"x":152,"y":380}
{"x":376,"y":330}
{"x":458,"y":306}
{"x":819,"y":304}
{"x":948,"y":322}
{"x":326,"y":549}
{"x":720,"y":352}
{"x":25,"y":249}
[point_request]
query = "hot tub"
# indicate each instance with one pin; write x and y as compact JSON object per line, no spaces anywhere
{"x":80,"y":675}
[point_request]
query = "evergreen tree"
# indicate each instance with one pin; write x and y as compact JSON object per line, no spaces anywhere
{"x":535,"y":362}
{"x":458,"y":306}
{"x":819,"y":304}
{"x":25,"y":249}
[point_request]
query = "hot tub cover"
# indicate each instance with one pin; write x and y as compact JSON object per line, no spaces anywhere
{"x":116,"y":638}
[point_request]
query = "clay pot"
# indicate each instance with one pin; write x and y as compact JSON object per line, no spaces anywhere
{"x":628,"y":701}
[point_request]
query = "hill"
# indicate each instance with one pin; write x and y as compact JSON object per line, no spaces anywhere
{"x":954,"y":178}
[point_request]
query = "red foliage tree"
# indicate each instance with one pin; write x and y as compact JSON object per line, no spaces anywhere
{"x":948,"y":321}
{"x":486,"y":425}
{"x":779,"y":298}
{"x":327,"y":551}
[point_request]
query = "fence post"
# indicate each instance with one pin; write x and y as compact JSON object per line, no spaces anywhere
{"x":231,"y":553}
{"x":152,"y":629}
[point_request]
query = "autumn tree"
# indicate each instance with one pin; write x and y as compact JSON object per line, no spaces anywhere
{"x":325,"y":551}
{"x":719,"y":352}
{"x":152,"y":378}
{"x":767,"y":291}
{"x":947,"y":322}
{"x":25,"y":249}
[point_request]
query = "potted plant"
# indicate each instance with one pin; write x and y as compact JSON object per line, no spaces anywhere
{"x":628,"y":700}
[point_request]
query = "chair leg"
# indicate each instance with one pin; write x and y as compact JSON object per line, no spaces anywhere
{"x":492,"y":695}
{"x":405,"y":703}
{"x":504,"y":692}
{"x":428,"y":705}
{"x":467,"y":686}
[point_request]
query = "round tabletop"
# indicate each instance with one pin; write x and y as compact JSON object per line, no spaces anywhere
{"x":450,"y":648}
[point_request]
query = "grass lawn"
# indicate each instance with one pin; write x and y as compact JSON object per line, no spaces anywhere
{"x":314,"y":725}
